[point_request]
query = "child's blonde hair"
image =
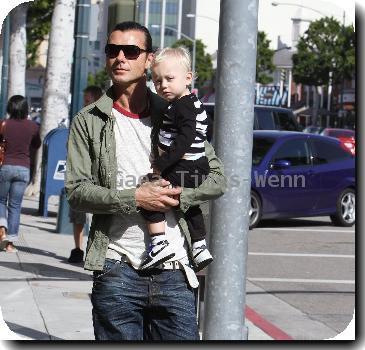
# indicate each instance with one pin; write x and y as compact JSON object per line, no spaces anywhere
{"x":181,"y":53}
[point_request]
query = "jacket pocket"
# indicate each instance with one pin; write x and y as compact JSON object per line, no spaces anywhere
{"x":96,"y":252}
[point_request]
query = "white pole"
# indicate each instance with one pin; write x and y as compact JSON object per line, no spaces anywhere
{"x":146,"y":13}
{"x":162,"y":35}
{"x":281,"y":91}
{"x":179,"y":18}
{"x":193,"y":64}
{"x":289,"y":87}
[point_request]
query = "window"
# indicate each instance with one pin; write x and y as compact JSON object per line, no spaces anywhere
{"x":155,"y":7}
{"x":295,"y":151}
{"x":96,"y":62}
{"x":171,"y":8}
{"x":260,"y":147}
{"x":264,"y":119}
{"x":285,"y":121}
{"x":97,"y":45}
{"x":325,"y":152}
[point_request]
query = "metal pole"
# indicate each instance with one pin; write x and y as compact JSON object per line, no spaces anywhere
{"x":193,"y":64}
{"x":281,"y":90}
{"x":5,"y":68}
{"x":329,"y":98}
{"x":146,"y":13}
{"x":226,"y":279}
{"x":179,"y":17}
{"x":162,"y":33}
{"x":80,"y":65}
{"x":289,"y":87}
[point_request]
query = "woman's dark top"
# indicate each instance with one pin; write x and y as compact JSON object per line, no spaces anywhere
{"x":21,"y":135}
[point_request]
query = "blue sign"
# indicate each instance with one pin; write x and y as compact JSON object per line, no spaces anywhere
{"x":53,"y":166}
{"x":270,"y":96}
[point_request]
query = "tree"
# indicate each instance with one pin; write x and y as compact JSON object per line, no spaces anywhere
{"x":264,"y":63}
{"x":327,"y":46}
{"x":38,"y":27}
{"x":203,"y":63}
{"x":17,"y":50}
{"x":58,"y":77}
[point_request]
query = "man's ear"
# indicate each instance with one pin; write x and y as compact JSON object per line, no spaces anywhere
{"x":149,"y":59}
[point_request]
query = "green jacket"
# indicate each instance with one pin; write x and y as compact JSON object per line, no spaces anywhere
{"x":91,"y":174}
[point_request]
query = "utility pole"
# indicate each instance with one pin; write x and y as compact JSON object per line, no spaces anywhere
{"x":162,"y":32}
{"x":146,"y":13}
{"x":80,"y":65}
{"x":5,"y":68}
{"x":179,"y":18}
{"x":226,"y":279}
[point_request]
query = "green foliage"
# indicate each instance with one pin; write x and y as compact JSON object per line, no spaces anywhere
{"x":100,"y":79}
{"x":39,"y":18}
{"x":203,"y":64}
{"x":264,"y":64}
{"x":327,"y":46}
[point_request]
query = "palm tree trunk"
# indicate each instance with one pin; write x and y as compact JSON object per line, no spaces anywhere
{"x":17,"y":50}
{"x":58,"y":77}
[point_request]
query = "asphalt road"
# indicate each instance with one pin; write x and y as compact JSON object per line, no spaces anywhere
{"x":307,"y":263}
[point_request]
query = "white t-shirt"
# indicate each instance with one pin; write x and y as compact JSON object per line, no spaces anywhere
{"x":129,"y":234}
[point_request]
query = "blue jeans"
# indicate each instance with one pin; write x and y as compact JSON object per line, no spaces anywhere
{"x":13,"y":181}
{"x":151,"y":305}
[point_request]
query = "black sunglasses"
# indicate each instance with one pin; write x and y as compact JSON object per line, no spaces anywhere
{"x":131,"y":52}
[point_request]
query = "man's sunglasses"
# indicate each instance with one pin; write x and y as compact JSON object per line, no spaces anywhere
{"x":131,"y":52}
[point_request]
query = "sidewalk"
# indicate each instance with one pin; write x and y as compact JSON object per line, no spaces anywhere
{"x":46,"y":298}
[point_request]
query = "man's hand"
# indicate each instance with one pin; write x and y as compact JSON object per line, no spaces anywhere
{"x":156,"y":196}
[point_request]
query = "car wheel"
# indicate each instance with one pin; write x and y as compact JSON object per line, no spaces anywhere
{"x":345,"y":209}
{"x":255,"y":210}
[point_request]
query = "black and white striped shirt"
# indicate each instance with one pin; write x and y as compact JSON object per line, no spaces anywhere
{"x":183,"y":132}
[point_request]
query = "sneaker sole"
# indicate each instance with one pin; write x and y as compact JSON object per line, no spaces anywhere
{"x":153,"y":264}
{"x":202,"y":265}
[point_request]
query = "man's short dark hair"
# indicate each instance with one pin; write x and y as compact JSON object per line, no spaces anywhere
{"x":130,"y":25}
{"x":95,"y":91}
{"x":17,"y":107}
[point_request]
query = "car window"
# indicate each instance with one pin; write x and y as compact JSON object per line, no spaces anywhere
{"x":325,"y":152}
{"x":264,"y":119}
{"x":296,"y":151}
{"x":285,"y":121}
{"x":260,"y":147}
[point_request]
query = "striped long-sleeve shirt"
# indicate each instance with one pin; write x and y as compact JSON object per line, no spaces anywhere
{"x":183,"y":132}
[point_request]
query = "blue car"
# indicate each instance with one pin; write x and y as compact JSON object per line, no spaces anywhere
{"x":301,"y":175}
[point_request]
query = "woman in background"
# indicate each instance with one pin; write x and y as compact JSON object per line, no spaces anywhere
{"x":21,"y":135}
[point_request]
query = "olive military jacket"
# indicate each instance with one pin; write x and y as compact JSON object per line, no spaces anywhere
{"x":91,"y":174}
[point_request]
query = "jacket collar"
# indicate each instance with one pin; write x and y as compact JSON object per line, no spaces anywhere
{"x":105,"y":103}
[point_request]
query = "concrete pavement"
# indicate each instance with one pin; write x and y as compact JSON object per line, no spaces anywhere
{"x":46,"y":298}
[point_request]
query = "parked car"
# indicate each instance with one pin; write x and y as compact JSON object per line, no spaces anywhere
{"x":265,"y":118}
{"x":335,"y":132}
{"x":346,"y":136}
{"x":301,"y":175}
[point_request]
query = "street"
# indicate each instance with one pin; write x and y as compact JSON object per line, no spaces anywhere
{"x":307,"y":263}
{"x":300,"y":281}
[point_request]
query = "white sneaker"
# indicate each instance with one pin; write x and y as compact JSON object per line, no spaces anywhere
{"x":157,"y":254}
{"x":201,"y":257}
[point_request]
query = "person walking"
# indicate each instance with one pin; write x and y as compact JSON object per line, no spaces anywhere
{"x":109,"y":151}
{"x":21,"y":136}
{"x":78,"y":219}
